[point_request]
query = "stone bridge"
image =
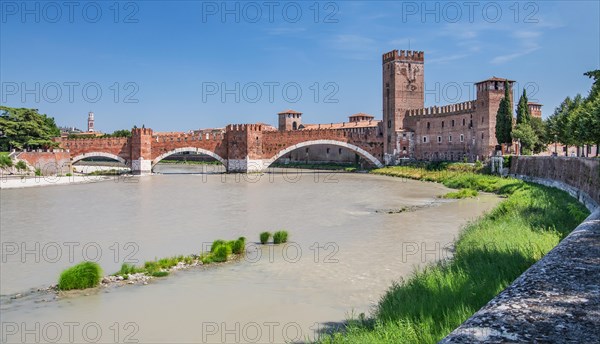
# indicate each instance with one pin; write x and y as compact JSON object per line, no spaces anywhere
{"x":240,"y":147}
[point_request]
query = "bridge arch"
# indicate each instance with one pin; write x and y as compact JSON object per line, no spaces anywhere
{"x":189,"y":149}
{"x":370,"y":157}
{"x":97,"y":154}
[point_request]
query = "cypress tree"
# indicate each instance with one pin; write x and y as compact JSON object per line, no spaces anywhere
{"x":523,"y":114}
{"x":504,"y":118}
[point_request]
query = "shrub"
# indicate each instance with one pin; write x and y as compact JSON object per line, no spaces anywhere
{"x":217,"y":243}
{"x":239,"y":246}
{"x":21,"y":165}
{"x":280,"y":237}
{"x":69,"y":174}
{"x":38,"y":172}
{"x":264,"y":237}
{"x":151,"y":267}
{"x":221,"y":253}
{"x":127,"y":269}
{"x":81,"y":276}
{"x":5,"y":161}
{"x":206,"y":259}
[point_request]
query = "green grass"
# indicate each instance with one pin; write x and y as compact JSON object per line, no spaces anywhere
{"x":110,"y":172}
{"x":264,"y":237}
{"x":489,"y":254}
{"x":462,"y":193}
{"x":81,"y":276}
{"x":280,"y":237}
{"x":5,"y":160}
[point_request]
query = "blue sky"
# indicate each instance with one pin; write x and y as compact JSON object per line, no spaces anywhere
{"x":179,"y":65}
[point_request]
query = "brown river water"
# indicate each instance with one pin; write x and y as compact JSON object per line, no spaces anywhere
{"x":345,"y":250}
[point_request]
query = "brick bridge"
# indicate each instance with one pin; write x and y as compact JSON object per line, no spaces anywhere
{"x":240,"y":147}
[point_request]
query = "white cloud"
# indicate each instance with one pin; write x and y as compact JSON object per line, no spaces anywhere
{"x":508,"y":57}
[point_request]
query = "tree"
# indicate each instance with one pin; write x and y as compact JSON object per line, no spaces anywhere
{"x":25,"y":128}
{"x":541,"y":132}
{"x":504,"y":118}
{"x":526,"y":136}
{"x":523,"y":114}
{"x":591,"y":111}
{"x":120,"y":133}
{"x":560,"y":123}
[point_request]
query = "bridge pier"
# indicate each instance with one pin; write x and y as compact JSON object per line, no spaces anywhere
{"x":141,"y":166}
{"x":246,"y":165}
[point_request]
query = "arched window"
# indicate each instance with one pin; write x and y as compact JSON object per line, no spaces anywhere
{"x":295,"y":126}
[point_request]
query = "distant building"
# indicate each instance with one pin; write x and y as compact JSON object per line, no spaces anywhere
{"x":90,"y":122}
{"x":535,"y":109}
{"x":73,"y":131}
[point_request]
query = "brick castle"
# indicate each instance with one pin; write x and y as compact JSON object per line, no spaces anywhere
{"x":412,"y":131}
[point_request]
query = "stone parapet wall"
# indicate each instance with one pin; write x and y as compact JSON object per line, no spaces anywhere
{"x":557,"y":300}
{"x":582,"y":174}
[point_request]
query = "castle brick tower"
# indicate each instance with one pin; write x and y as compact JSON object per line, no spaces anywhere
{"x":289,"y":120}
{"x":141,"y":150}
{"x":403,"y":89}
{"x":535,"y":109}
{"x":489,"y":94}
{"x":90,"y":122}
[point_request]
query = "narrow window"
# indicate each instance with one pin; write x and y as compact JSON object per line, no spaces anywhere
{"x":327,"y":150}
{"x":442,"y":124}
{"x":439,"y":139}
{"x":425,"y":139}
{"x":428,"y":125}
{"x":452,"y":122}
{"x":462,"y":138}
{"x":450,"y":138}
{"x":463,"y":121}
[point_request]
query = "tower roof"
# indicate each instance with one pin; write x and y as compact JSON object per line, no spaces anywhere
{"x":289,"y":111}
{"x":361,"y":114}
{"x":495,"y":78}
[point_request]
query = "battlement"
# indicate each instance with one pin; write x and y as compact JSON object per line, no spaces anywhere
{"x":244,"y":127}
{"x":404,"y":55}
{"x":141,"y":131}
{"x":451,"y":109}
{"x":182,"y":136}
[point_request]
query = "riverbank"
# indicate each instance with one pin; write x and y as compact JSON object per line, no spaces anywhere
{"x":17,"y":182}
{"x":489,"y":254}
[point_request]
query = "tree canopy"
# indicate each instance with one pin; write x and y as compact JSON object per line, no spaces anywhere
{"x":22,"y":128}
{"x":576,"y":122}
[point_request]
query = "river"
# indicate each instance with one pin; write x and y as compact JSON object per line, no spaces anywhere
{"x":345,"y":250}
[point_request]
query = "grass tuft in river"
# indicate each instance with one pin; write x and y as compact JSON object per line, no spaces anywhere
{"x":264,"y":237}
{"x":280,"y":237}
{"x":81,"y":276}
